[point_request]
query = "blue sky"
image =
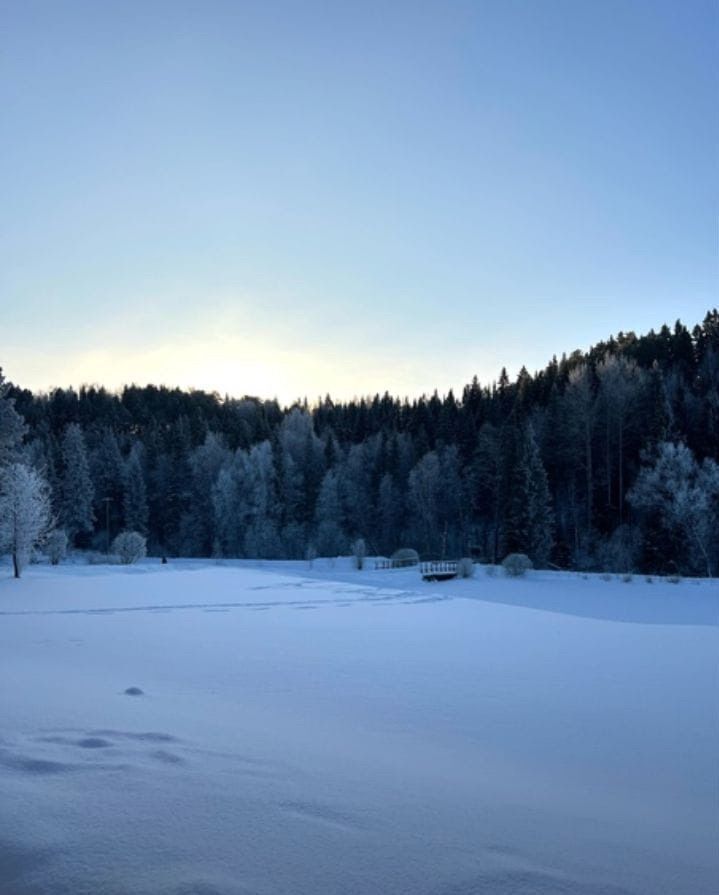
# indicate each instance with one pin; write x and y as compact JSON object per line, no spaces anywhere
{"x":291,"y":198}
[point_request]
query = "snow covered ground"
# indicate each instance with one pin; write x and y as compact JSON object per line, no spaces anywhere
{"x":327,"y":731}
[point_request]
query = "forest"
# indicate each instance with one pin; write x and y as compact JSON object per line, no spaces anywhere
{"x":604,"y":460}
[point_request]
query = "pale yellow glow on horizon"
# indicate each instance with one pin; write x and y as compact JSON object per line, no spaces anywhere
{"x":230,"y":365}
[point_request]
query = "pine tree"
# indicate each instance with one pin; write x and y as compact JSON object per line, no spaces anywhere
{"x":76,"y":485}
{"x":135,"y":494}
{"x":528,"y":520}
{"x":261,"y":537}
{"x":107,"y":470}
{"x":12,"y":426}
{"x":330,"y":537}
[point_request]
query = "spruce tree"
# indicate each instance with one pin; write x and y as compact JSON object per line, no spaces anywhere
{"x":12,"y":426}
{"x":77,"y":491}
{"x":135,"y":494}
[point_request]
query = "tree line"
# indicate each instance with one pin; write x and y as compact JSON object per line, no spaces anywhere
{"x":604,"y":460}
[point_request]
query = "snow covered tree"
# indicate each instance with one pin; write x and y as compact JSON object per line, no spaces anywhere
{"x":231,"y":498}
{"x":56,"y":546}
{"x":134,"y":498}
{"x":685,"y":494}
{"x":389,"y":514}
{"x":12,"y":426}
{"x":129,"y":546}
{"x":77,"y":491}
{"x":424,"y":501}
{"x":261,"y":537}
{"x":107,"y":471}
{"x":330,"y":538}
{"x":529,"y":520}
{"x":359,"y":553}
{"x":620,"y":382}
{"x":581,"y":406}
{"x":485,"y":485}
{"x":25,"y":515}
{"x":206,"y":461}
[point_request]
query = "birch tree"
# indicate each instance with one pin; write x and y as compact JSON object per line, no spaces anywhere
{"x":25,"y":514}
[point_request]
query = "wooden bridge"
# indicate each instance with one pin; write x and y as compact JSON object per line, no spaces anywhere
{"x":439,"y":570}
{"x":395,"y":563}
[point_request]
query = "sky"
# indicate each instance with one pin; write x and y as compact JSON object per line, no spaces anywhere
{"x":289,"y":199}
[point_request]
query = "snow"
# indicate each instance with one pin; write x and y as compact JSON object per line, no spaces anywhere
{"x":331,"y":731}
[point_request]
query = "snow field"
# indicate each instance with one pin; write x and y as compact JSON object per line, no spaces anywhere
{"x":328,"y":731}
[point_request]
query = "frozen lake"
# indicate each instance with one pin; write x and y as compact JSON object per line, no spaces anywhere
{"x":327,"y":731}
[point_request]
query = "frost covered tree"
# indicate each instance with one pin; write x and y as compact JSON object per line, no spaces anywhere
{"x":56,"y":546}
{"x":424,"y":500}
{"x":261,"y":537}
{"x":685,"y":495}
{"x":134,"y":498}
{"x":77,"y":491}
{"x":620,"y":382}
{"x":206,"y":461}
{"x":230,"y":499}
{"x":485,"y":485}
{"x":581,"y":411}
{"x":359,"y":553}
{"x":107,"y":471}
{"x":330,"y":537}
{"x":12,"y":426}
{"x":129,"y":546}
{"x":529,"y":520}
{"x":389,"y":514}
{"x":355,"y":477}
{"x":301,"y":466}
{"x":25,"y":514}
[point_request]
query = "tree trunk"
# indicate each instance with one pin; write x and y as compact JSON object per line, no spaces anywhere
{"x":15,"y":565}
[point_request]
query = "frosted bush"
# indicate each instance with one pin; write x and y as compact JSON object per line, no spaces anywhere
{"x":359,"y":552}
{"x":516,"y":565}
{"x":129,"y":547}
{"x":405,"y":556}
{"x":465,"y":568}
{"x":491,"y":571}
{"x":56,"y":546}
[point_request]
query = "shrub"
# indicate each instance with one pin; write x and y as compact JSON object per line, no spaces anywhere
{"x":491,"y":571}
{"x":129,"y":547}
{"x":465,"y":568}
{"x":359,"y":552}
{"x":56,"y":546}
{"x":405,"y":556}
{"x":516,"y":565}
{"x":606,"y":576}
{"x":627,"y":577}
{"x":674,"y":579}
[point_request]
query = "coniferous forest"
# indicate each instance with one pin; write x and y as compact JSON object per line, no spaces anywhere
{"x":603,"y":460}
